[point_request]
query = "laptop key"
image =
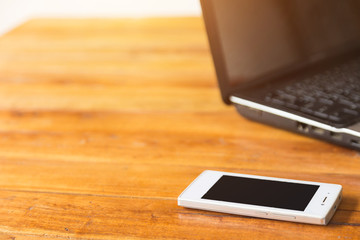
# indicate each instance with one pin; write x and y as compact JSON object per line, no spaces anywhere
{"x":292,"y":106}
{"x":326,"y":101}
{"x":321,"y":114}
{"x":306,"y":110}
{"x":347,"y":103}
{"x":277,"y":101}
{"x":350,"y":112}
{"x":334,"y":118}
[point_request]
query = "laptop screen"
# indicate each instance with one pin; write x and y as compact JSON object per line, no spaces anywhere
{"x":258,"y":37}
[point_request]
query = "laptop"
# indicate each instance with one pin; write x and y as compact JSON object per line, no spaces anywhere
{"x":292,"y":64}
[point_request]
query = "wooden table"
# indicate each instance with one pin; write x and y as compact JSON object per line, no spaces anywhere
{"x":104,"y":122}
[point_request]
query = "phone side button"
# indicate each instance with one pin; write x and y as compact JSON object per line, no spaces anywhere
{"x":282,"y":216}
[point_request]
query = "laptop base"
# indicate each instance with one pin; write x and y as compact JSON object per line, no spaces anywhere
{"x":342,"y":139}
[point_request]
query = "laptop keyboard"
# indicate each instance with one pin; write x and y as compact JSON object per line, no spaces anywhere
{"x":332,"y":96}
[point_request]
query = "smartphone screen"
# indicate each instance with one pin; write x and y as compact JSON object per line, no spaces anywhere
{"x":268,"y":193}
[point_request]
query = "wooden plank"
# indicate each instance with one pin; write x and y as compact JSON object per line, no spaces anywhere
{"x":46,"y":97}
{"x":104,"y":137}
{"x":137,"y":179}
{"x":98,"y":217}
{"x":167,"y":69}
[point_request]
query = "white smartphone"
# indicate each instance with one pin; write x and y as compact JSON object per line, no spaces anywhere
{"x":264,"y":197}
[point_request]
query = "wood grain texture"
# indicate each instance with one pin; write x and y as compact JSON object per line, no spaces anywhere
{"x":104,"y":122}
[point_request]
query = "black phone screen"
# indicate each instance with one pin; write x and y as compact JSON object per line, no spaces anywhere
{"x":268,"y":193}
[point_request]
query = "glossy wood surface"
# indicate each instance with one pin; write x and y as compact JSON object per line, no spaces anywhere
{"x":104,"y":122}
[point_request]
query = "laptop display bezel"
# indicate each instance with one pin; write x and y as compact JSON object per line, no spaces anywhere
{"x":216,"y":51}
{"x":230,"y":87}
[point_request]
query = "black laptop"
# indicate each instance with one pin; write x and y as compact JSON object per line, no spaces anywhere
{"x":292,"y":64}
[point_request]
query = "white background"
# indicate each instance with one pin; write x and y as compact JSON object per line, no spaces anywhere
{"x":15,"y":12}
